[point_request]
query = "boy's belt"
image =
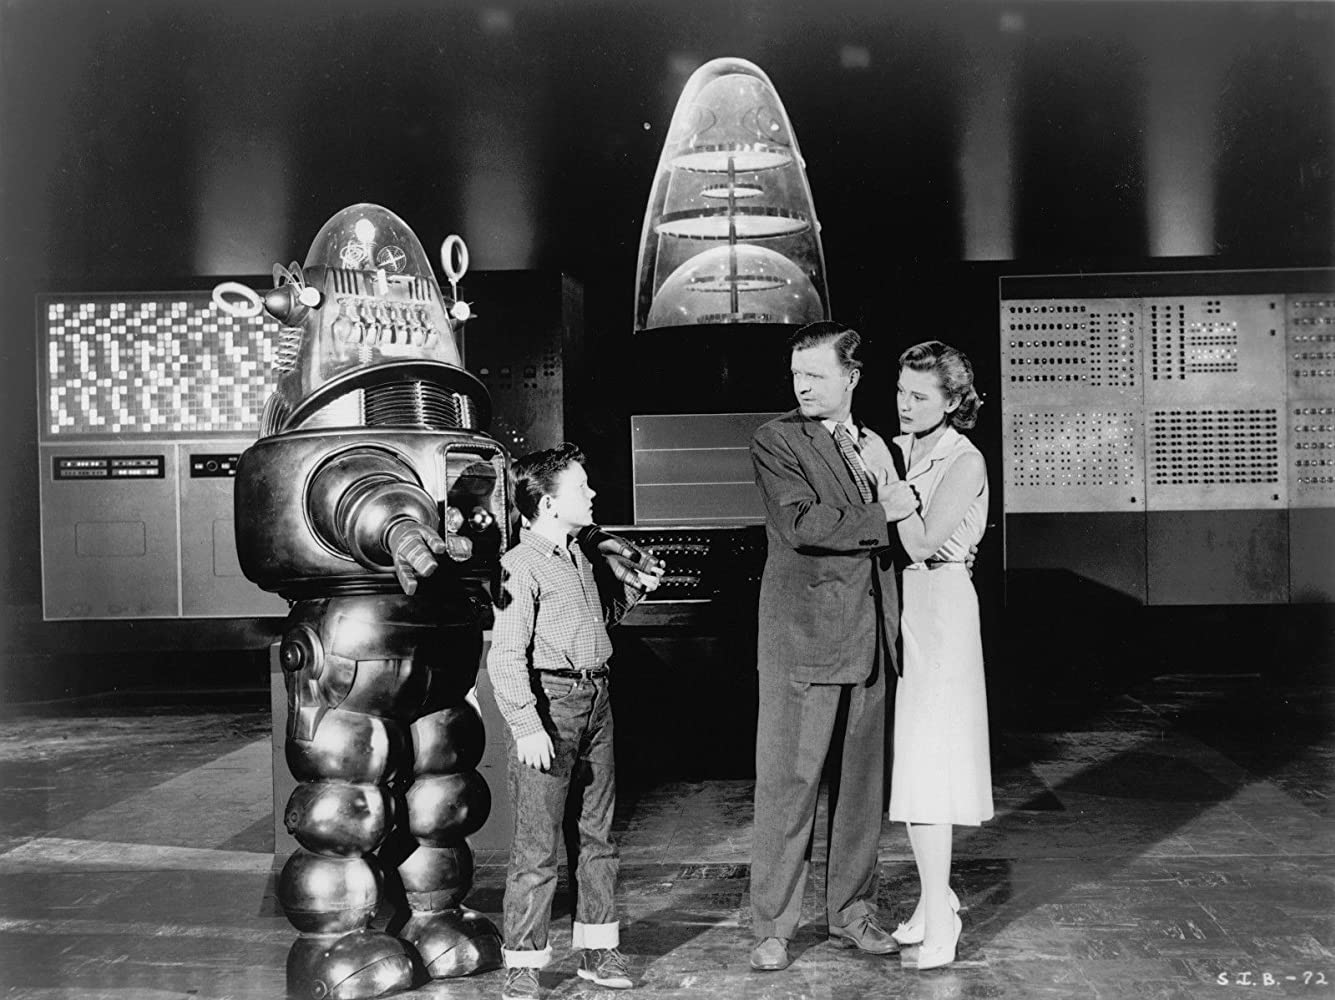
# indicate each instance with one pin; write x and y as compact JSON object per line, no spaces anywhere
{"x":575,"y":674}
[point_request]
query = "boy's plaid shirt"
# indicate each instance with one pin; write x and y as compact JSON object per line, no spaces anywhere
{"x":549,"y":617}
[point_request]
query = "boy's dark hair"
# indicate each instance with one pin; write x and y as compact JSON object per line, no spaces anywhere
{"x":845,"y":339}
{"x":535,"y":475}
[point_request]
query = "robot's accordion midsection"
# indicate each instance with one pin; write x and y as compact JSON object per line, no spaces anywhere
{"x":418,"y":404}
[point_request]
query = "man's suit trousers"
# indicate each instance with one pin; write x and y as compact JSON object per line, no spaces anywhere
{"x":799,"y":725}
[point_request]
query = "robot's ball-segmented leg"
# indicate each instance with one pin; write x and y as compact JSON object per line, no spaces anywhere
{"x":385,"y":743}
{"x":447,"y":800}
{"x":362,"y":963}
{"x":338,"y":817}
{"x":454,"y":943}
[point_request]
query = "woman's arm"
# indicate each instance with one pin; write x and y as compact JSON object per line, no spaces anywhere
{"x":924,"y":532}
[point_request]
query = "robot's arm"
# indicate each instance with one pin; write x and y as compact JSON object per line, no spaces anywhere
{"x":630,"y":564}
{"x":636,"y":571}
{"x":626,"y":561}
{"x":368,"y":505}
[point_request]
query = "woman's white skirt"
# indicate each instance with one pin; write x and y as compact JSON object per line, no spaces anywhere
{"x":941,"y":771}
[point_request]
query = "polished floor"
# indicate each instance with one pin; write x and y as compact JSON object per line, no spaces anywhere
{"x":1174,"y":841}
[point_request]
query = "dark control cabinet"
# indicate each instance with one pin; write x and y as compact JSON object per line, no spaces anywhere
{"x":703,"y":563}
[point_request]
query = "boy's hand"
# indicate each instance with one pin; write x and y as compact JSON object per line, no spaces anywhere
{"x":535,"y":750}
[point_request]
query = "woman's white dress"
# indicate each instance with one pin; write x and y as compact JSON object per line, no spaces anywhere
{"x":941,"y":771}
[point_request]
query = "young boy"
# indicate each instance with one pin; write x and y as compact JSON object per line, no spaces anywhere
{"x":548,"y":666}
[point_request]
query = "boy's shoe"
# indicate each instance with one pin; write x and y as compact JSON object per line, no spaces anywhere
{"x":606,"y":967}
{"x":770,"y":955}
{"x":521,"y":984}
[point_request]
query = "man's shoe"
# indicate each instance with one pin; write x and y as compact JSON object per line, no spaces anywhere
{"x":865,"y":934}
{"x":521,"y":984}
{"x":606,"y":967}
{"x":770,"y":955}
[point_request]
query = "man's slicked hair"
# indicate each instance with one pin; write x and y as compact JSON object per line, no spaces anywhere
{"x":535,"y":475}
{"x":845,"y":340}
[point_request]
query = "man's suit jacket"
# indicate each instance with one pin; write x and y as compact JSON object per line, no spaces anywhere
{"x":829,"y":595}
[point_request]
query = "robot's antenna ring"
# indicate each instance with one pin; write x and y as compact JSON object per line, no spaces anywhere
{"x":454,"y":257}
{"x":249,"y":306}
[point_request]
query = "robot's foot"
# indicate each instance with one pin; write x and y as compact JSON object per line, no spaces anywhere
{"x":350,"y":966}
{"x":454,"y":943}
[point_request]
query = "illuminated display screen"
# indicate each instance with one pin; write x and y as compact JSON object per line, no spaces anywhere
{"x":159,"y":364}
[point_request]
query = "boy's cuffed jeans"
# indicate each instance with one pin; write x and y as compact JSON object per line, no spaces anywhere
{"x":581,"y":784}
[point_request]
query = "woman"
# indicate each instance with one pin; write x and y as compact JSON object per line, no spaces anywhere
{"x":941,"y":775}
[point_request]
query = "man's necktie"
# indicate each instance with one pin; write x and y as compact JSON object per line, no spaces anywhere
{"x":854,"y":462}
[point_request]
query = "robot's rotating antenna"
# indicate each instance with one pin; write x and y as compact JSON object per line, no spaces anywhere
{"x":250,"y":304}
{"x":454,"y":260}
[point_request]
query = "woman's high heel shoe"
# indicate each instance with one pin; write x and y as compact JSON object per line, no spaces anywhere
{"x":911,"y":931}
{"x":922,"y":958}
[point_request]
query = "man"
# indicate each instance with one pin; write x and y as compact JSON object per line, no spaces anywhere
{"x":829,"y":615}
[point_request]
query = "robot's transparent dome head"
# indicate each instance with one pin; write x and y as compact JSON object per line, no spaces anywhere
{"x":737,"y":284}
{"x":368,"y":237}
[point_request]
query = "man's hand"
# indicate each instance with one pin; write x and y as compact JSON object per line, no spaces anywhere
{"x":897,"y":498}
{"x":415,"y":547}
{"x":535,"y":750}
{"x":649,"y":581}
{"x":968,"y":560}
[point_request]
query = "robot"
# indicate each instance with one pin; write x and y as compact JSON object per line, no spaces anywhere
{"x":376,"y":504}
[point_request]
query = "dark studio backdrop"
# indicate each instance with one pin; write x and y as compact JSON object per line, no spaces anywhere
{"x":157,"y":145}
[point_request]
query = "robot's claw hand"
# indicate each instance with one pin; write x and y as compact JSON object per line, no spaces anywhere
{"x":629,"y":564}
{"x":624,"y":569}
{"x":415,"y":547}
{"x":643,"y":570}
